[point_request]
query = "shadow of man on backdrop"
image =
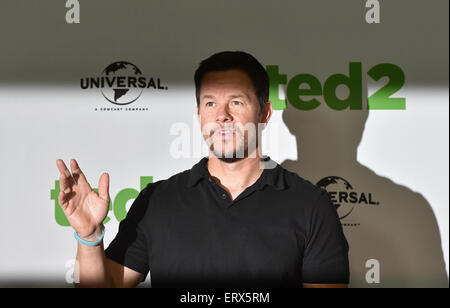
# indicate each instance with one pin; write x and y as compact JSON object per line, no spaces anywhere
{"x":381,"y":219}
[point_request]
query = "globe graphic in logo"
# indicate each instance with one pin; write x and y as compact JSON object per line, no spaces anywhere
{"x":121,"y":83}
{"x":337,"y":187}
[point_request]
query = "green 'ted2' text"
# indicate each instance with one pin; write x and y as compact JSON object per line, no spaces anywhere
{"x":303,"y":90}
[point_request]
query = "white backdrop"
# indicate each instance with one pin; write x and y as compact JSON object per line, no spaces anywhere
{"x":398,"y":157}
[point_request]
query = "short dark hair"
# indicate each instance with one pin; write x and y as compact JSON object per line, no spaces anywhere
{"x":240,"y":60}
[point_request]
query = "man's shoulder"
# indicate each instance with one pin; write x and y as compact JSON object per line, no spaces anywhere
{"x":172,"y":184}
{"x":300,"y":185}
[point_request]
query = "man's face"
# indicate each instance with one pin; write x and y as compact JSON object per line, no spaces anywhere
{"x":229,"y":113}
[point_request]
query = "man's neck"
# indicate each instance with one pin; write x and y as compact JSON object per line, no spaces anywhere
{"x":236,"y":176}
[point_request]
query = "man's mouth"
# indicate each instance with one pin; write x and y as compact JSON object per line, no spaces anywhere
{"x":225,"y":132}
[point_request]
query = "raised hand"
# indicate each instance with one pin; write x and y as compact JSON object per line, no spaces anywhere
{"x":84,"y":208}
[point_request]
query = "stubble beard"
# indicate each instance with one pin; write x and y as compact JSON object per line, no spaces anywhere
{"x":241,"y":139}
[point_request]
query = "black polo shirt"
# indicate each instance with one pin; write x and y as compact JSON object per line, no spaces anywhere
{"x":281,"y":231}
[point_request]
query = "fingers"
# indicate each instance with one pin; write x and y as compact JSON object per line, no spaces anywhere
{"x":62,"y":167}
{"x":65,"y":183}
{"x":65,"y":178}
{"x":62,"y":200}
{"x":77,"y":173}
{"x":64,"y":203}
{"x":103,"y":186}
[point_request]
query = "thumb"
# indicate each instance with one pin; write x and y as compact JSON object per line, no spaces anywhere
{"x":103,"y":186}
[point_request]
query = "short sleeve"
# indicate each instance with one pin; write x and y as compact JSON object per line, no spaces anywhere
{"x":130,"y":247}
{"x":326,"y":253}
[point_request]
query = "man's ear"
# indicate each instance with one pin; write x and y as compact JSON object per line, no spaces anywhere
{"x":266,"y":113}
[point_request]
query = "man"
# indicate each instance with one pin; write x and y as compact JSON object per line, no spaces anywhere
{"x":234,"y":220}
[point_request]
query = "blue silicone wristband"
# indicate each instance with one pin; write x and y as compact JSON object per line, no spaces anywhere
{"x":84,"y":242}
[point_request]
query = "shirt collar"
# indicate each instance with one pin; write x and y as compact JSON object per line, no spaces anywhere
{"x":198,"y":172}
{"x":271,"y":176}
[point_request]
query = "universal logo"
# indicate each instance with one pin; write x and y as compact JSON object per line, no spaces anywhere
{"x":345,"y":198}
{"x":122,"y":83}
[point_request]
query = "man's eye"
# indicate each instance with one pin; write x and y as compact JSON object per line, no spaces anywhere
{"x":237,"y":103}
{"x":209,"y":104}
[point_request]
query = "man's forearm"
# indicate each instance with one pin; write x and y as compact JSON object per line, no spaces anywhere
{"x":92,"y":267}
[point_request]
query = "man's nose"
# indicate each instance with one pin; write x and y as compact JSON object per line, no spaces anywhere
{"x":223,"y":114}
